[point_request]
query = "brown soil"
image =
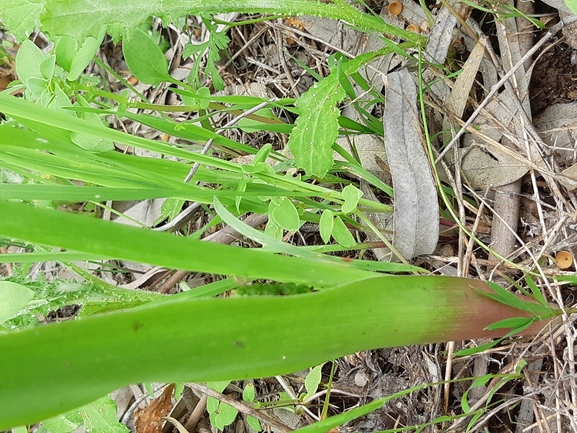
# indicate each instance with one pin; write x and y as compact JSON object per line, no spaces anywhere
{"x":554,"y":78}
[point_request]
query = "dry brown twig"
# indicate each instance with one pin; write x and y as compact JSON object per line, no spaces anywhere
{"x":503,"y":82}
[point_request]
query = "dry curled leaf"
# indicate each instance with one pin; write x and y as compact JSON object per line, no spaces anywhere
{"x":416,"y":209}
{"x":489,"y":168}
{"x":441,"y":37}
{"x":149,"y":419}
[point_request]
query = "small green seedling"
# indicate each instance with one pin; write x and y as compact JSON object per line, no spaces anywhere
{"x":221,"y":414}
{"x":249,"y":396}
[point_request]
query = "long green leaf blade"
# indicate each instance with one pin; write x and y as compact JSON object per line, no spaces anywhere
{"x":82,"y":19}
{"x":54,"y":368}
{"x":103,"y":238}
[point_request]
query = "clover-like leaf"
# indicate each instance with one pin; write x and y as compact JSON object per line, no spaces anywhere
{"x":352,"y":195}
{"x":144,"y":58}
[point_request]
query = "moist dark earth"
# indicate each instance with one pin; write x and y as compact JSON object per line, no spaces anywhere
{"x":554,"y":78}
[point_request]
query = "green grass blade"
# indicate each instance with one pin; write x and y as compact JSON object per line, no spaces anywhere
{"x":103,"y":238}
{"x":96,"y":193}
{"x":337,"y":420}
{"x":63,"y":256}
{"x":85,"y":193}
{"x":46,"y":121}
{"x":508,"y":298}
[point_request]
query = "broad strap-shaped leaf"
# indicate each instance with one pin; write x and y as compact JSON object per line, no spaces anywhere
{"x":416,"y":210}
{"x":81,"y":19}
{"x":317,"y":126}
{"x":57,"y":367}
{"x":86,"y":22}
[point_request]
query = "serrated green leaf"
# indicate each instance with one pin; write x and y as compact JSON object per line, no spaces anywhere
{"x":190,"y":49}
{"x":99,"y":416}
{"x":79,"y":19}
{"x":21,"y":17}
{"x":352,"y":195}
{"x":326,"y":224}
{"x":217,"y":42}
{"x":317,"y":127}
{"x":13,"y":298}
{"x":144,"y":58}
{"x":572,"y":4}
{"x":342,"y":234}
{"x":64,"y":423}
